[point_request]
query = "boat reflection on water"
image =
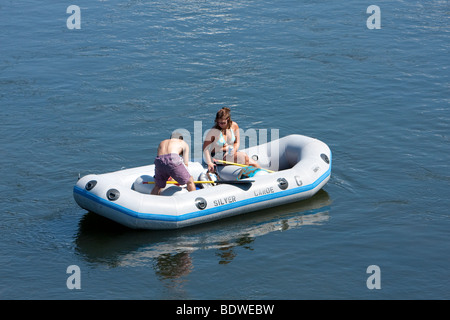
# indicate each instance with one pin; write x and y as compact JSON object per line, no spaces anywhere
{"x":100,"y":240}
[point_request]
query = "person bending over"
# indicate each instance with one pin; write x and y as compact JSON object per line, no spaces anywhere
{"x":169,"y":163}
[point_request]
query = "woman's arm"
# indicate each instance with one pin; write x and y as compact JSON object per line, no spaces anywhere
{"x":207,"y":144}
{"x":236,"y":130}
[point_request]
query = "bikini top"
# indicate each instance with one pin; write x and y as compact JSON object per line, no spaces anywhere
{"x":222,"y":142}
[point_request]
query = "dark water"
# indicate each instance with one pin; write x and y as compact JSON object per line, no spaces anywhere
{"x":100,"y":98}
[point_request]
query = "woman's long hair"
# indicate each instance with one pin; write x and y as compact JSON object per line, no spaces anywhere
{"x":223,"y":113}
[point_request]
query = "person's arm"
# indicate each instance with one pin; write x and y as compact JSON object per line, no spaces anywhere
{"x":237,"y":135}
{"x":186,"y":154}
{"x":207,"y":150}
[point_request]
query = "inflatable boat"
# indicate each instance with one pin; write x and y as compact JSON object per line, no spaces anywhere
{"x":295,"y":167}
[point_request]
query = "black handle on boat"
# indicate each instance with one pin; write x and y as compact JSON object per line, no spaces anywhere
{"x":235,"y":181}
{"x":218,"y":181}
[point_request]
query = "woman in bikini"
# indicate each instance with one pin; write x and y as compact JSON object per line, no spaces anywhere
{"x":222,"y":142}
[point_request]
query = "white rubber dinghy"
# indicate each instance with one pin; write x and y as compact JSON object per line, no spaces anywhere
{"x":301,"y":165}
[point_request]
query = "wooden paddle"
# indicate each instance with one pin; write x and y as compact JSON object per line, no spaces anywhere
{"x":240,"y":165}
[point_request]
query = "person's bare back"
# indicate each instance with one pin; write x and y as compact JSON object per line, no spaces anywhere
{"x":177,"y":146}
{"x":167,"y":165}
